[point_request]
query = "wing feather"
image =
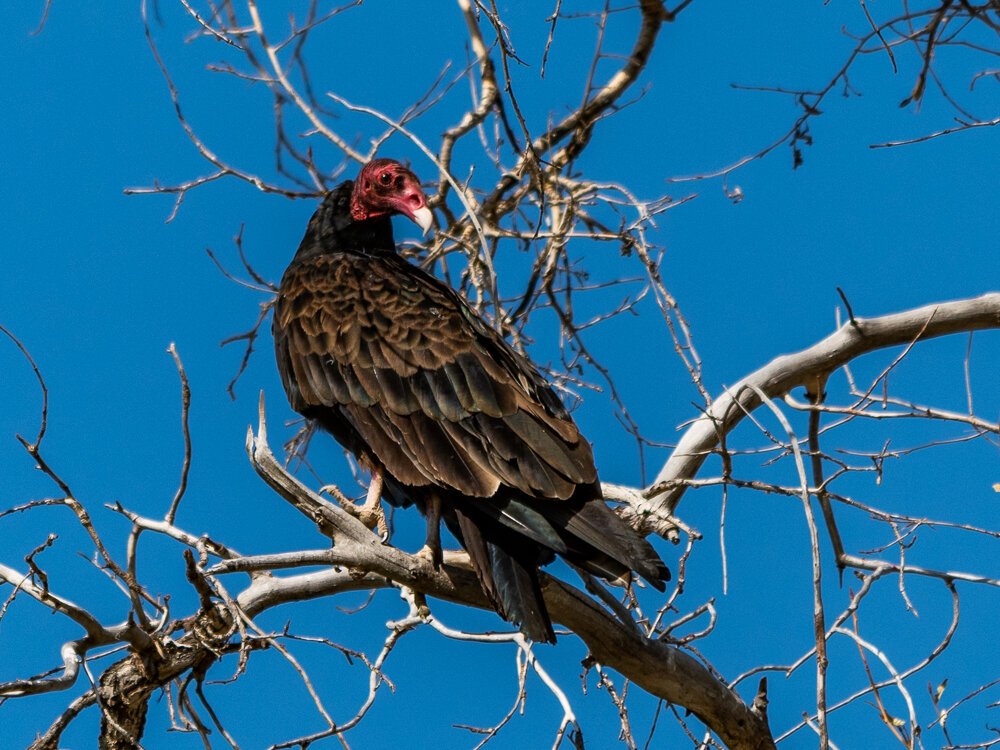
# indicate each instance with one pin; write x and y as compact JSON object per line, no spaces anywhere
{"x":384,"y":441}
{"x":396,"y":395}
{"x":356,"y":390}
{"x":447,"y":399}
{"x":481,"y":387}
{"x":566,"y":459}
{"x":460,"y":406}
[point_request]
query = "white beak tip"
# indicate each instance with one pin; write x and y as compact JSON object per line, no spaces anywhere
{"x":424,"y":219}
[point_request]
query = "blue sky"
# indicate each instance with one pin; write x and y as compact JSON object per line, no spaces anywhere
{"x":96,"y":285}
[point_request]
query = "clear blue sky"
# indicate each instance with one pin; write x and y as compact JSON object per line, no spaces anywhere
{"x":97,"y":285}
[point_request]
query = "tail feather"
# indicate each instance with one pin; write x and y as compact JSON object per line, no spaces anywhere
{"x":509,"y":538}
{"x":510,"y":581}
{"x":610,"y":547}
{"x":522,"y":518}
{"x":521,"y":595}
{"x":598,"y":525}
{"x":599,"y":541}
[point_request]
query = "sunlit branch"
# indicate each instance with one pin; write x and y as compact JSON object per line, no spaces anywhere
{"x":781,"y":375}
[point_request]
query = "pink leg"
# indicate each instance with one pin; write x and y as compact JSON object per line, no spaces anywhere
{"x":372,"y":514}
{"x":432,"y":547}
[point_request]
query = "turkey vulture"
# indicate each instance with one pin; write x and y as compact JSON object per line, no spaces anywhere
{"x":438,"y":406}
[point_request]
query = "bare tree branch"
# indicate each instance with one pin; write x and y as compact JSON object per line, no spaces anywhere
{"x":656,"y":667}
{"x":781,"y":375}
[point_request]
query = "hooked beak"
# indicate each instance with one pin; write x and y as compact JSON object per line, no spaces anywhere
{"x":423,"y":218}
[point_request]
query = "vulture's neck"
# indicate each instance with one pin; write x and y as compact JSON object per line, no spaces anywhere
{"x":332,"y":230}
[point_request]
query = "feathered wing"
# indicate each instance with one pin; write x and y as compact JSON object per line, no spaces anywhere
{"x":391,"y":350}
{"x":403,"y":373}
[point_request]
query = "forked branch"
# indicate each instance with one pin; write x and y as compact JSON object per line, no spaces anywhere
{"x":804,"y":369}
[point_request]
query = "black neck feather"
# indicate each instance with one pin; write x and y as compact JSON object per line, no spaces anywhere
{"x":332,"y":229}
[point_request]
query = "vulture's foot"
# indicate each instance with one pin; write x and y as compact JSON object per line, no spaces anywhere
{"x":370,"y":512}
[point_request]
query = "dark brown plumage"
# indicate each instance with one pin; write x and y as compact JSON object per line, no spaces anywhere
{"x":394,"y":363}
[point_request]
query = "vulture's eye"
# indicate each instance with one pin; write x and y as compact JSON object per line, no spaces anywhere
{"x":385,"y":178}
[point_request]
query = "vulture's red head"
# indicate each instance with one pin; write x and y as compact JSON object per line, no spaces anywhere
{"x":384,"y":187}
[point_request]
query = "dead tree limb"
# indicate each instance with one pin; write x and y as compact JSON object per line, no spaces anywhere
{"x":856,"y":337}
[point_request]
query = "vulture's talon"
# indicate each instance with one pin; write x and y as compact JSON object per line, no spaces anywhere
{"x":432,"y":555}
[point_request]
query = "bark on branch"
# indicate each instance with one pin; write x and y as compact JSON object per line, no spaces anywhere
{"x":805,"y":368}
